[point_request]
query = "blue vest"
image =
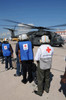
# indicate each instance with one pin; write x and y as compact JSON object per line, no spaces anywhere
{"x":26,"y":52}
{"x":6,"y":49}
{"x":0,"y":46}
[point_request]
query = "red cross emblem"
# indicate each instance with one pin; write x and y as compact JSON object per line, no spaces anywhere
{"x":48,"y":49}
{"x":25,"y":45}
{"x":5,"y":47}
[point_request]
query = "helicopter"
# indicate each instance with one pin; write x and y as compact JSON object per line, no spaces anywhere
{"x":35,"y":36}
{"x":55,"y":39}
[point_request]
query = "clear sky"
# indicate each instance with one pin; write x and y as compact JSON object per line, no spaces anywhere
{"x":37,"y":12}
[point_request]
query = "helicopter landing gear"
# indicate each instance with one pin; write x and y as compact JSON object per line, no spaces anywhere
{"x":60,"y":45}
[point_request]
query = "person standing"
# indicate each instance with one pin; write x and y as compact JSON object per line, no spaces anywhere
{"x":26,"y":57}
{"x":7,"y":53}
{"x":0,"y":49}
{"x":18,"y":73}
{"x":1,"y":54}
{"x":44,"y":60}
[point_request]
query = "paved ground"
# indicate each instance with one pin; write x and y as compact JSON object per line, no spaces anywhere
{"x":11,"y":87}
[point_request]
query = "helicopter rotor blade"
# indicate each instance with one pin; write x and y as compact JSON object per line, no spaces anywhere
{"x":8,"y":25}
{"x":34,"y":27}
{"x":31,"y":26}
{"x":11,"y":21}
{"x":19,"y":23}
{"x":61,"y":25}
{"x":9,"y":29}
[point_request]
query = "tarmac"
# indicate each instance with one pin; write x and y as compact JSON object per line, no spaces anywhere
{"x":11,"y":88}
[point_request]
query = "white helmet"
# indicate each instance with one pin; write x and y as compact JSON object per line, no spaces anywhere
{"x":20,"y":37}
{"x":24,"y":36}
{"x":5,"y":39}
{"x":44,"y":39}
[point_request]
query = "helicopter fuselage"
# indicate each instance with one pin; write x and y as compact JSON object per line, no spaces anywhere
{"x":55,"y":39}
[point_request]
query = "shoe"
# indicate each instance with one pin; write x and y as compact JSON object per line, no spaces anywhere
{"x":16,"y":75}
{"x":37,"y":93}
{"x":30,"y":80}
{"x":24,"y":81}
{"x":6,"y":69}
{"x":47,"y":91}
{"x":59,"y":90}
{"x":35,"y":81}
{"x":11,"y":68}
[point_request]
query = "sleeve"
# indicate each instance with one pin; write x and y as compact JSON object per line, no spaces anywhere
{"x":37,"y":57}
{"x":1,"y":47}
{"x":11,"y":49}
{"x":52,"y":51}
{"x":16,"y":49}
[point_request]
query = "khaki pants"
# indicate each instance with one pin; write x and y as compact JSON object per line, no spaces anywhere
{"x":43,"y":77}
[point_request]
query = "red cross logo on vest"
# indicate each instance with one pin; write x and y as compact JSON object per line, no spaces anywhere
{"x":25,"y":45}
{"x":48,"y":49}
{"x":5,"y":47}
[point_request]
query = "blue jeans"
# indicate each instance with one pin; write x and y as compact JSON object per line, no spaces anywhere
{"x":18,"y":67}
{"x":8,"y":60}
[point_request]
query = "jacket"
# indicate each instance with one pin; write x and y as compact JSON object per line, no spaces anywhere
{"x":6,"y":49}
{"x":26,"y":52}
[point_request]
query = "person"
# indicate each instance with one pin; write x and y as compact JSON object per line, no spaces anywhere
{"x":63,"y":83}
{"x":1,"y":54}
{"x":44,"y":61}
{"x":7,"y":53}
{"x":26,"y":57}
{"x":0,"y":48}
{"x":18,"y":73}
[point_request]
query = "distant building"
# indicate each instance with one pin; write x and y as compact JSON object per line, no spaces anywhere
{"x":63,"y":34}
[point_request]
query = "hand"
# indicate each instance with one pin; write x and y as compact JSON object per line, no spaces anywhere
{"x":20,"y":60}
{"x":63,"y":80}
{"x":12,"y":55}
